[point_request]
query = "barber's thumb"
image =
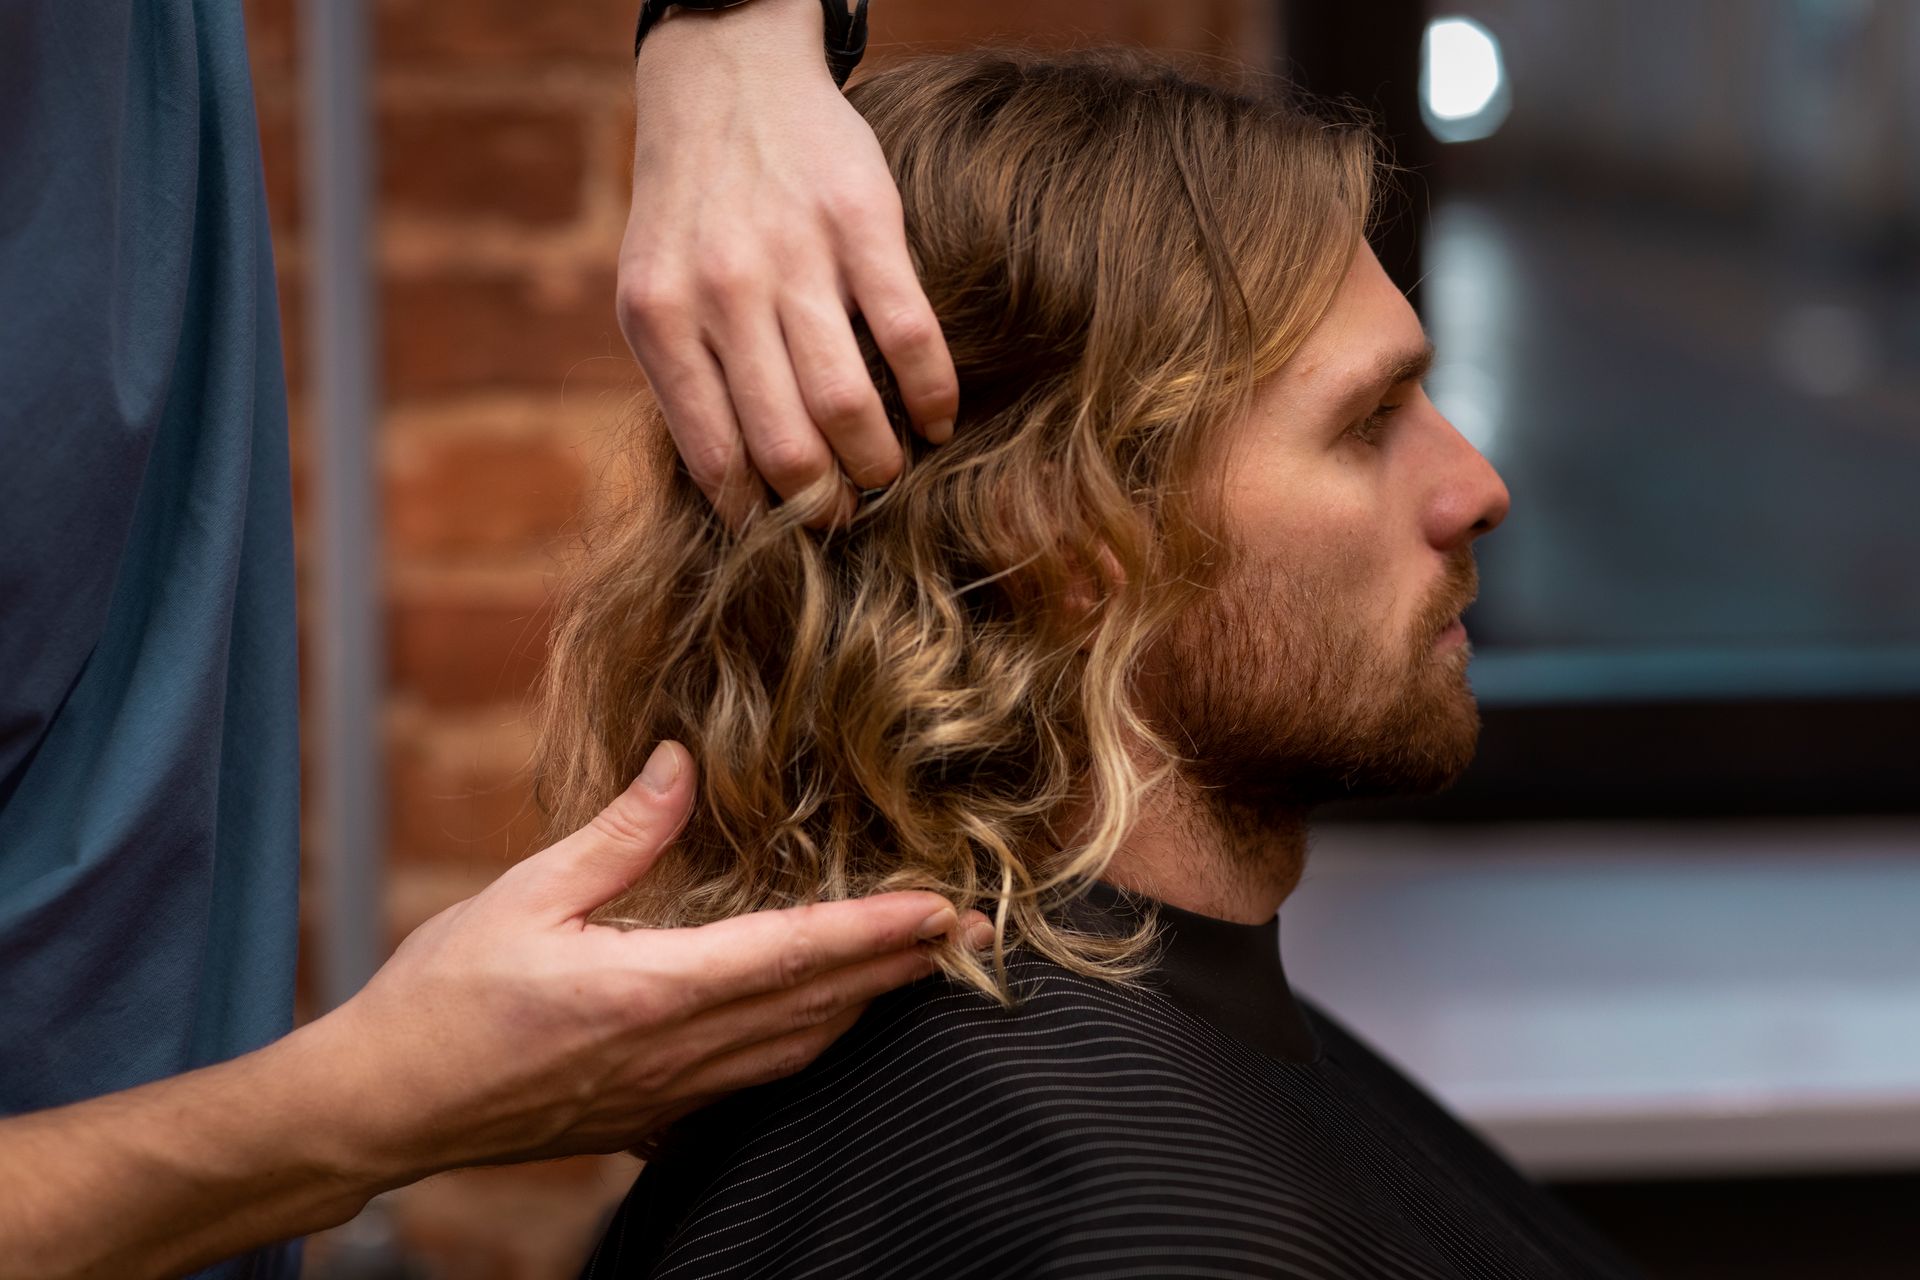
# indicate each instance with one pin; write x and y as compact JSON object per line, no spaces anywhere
{"x":607,"y":856}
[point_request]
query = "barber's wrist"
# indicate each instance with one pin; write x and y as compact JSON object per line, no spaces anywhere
{"x":781,"y":30}
{"x":357,"y":1137}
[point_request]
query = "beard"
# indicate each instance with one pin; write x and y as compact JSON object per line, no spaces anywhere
{"x":1281,"y":695}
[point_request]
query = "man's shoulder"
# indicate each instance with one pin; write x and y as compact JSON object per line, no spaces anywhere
{"x":972,"y":1075}
{"x":1059,"y":1023}
{"x":939,"y":1092}
{"x":939,"y":1047}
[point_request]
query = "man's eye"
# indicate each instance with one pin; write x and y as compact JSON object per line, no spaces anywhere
{"x":1369,"y":428}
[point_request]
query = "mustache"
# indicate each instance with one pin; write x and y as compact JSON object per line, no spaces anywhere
{"x":1459,"y":587}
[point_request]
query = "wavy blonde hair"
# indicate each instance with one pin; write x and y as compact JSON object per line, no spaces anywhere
{"x":940,"y":694}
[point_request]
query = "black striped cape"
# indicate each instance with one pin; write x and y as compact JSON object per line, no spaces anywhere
{"x":1204,"y":1123}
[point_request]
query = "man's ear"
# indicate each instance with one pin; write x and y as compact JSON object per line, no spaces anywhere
{"x":1095,"y":580}
{"x":1095,"y":574}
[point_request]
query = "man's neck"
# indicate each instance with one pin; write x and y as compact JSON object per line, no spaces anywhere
{"x":1205,"y":854}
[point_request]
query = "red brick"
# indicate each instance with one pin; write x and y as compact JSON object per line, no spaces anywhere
{"x":1051,"y":22}
{"x":456,"y":494}
{"x":270,"y":35}
{"x":505,"y":33}
{"x":418,"y":891}
{"x":309,"y":962}
{"x":1242,"y":28}
{"x":462,"y":795}
{"x":522,"y":163}
{"x":301,"y":474}
{"x":1219,"y":26}
{"x":496,"y":330}
{"x":291,"y":288}
{"x":462,"y":645}
{"x":280,"y":157}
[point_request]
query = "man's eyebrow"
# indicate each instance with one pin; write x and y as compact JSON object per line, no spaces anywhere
{"x":1393,"y":369}
{"x":1411,"y":366}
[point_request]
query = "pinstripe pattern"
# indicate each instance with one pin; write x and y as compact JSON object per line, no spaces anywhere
{"x":1093,"y":1130}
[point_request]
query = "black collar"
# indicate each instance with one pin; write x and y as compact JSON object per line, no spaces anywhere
{"x":1228,"y":974}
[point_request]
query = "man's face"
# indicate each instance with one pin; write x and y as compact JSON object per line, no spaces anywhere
{"x":1325,"y":666}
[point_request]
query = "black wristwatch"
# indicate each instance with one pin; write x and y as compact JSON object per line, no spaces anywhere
{"x":846,"y":32}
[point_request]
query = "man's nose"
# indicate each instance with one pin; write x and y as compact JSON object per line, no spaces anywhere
{"x":1473,"y":500}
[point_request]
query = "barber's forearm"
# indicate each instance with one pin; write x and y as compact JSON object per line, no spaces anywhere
{"x":177,"y":1174}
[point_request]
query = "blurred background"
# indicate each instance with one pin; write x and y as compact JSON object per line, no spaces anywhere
{"x":1662,"y":944}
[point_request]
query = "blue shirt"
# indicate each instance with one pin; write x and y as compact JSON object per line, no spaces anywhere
{"x":149,"y":807}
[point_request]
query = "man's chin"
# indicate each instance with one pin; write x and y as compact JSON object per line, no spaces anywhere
{"x":1422,"y":752}
{"x":1418,"y":744}
{"x":1366,"y":771}
{"x":1423,"y":778}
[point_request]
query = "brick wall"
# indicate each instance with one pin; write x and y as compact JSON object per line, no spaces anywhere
{"x":504,"y":130}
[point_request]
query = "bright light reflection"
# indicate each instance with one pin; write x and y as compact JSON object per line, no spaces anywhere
{"x":1463,"y":82}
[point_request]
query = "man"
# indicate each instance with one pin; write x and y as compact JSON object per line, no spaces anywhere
{"x":1154,"y":292}
{"x":158,"y":1116}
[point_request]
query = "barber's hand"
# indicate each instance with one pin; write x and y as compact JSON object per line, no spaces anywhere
{"x":763,"y":213}
{"x":507,"y":1028}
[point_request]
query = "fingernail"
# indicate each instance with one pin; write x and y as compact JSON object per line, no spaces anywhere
{"x":980,"y":936}
{"x":663,"y":766}
{"x":940,"y":432}
{"x":935,"y":925}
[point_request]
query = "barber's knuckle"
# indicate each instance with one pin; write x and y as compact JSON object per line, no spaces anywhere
{"x":731,"y":276}
{"x":841,"y":401}
{"x":797,"y":960}
{"x":862,"y":205}
{"x":789,"y":1058}
{"x":814,"y":1007}
{"x":647,"y":298}
{"x":790,"y":462}
{"x":908,"y":326}
{"x":884,"y":207}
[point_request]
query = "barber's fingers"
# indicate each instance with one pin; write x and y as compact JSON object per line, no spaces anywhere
{"x":785,"y":446}
{"x":835,"y":386}
{"x":769,"y":951}
{"x":613,"y":851}
{"x":771,"y":1059}
{"x":888,"y":295}
{"x":692,"y":389}
{"x":765,"y":1018}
